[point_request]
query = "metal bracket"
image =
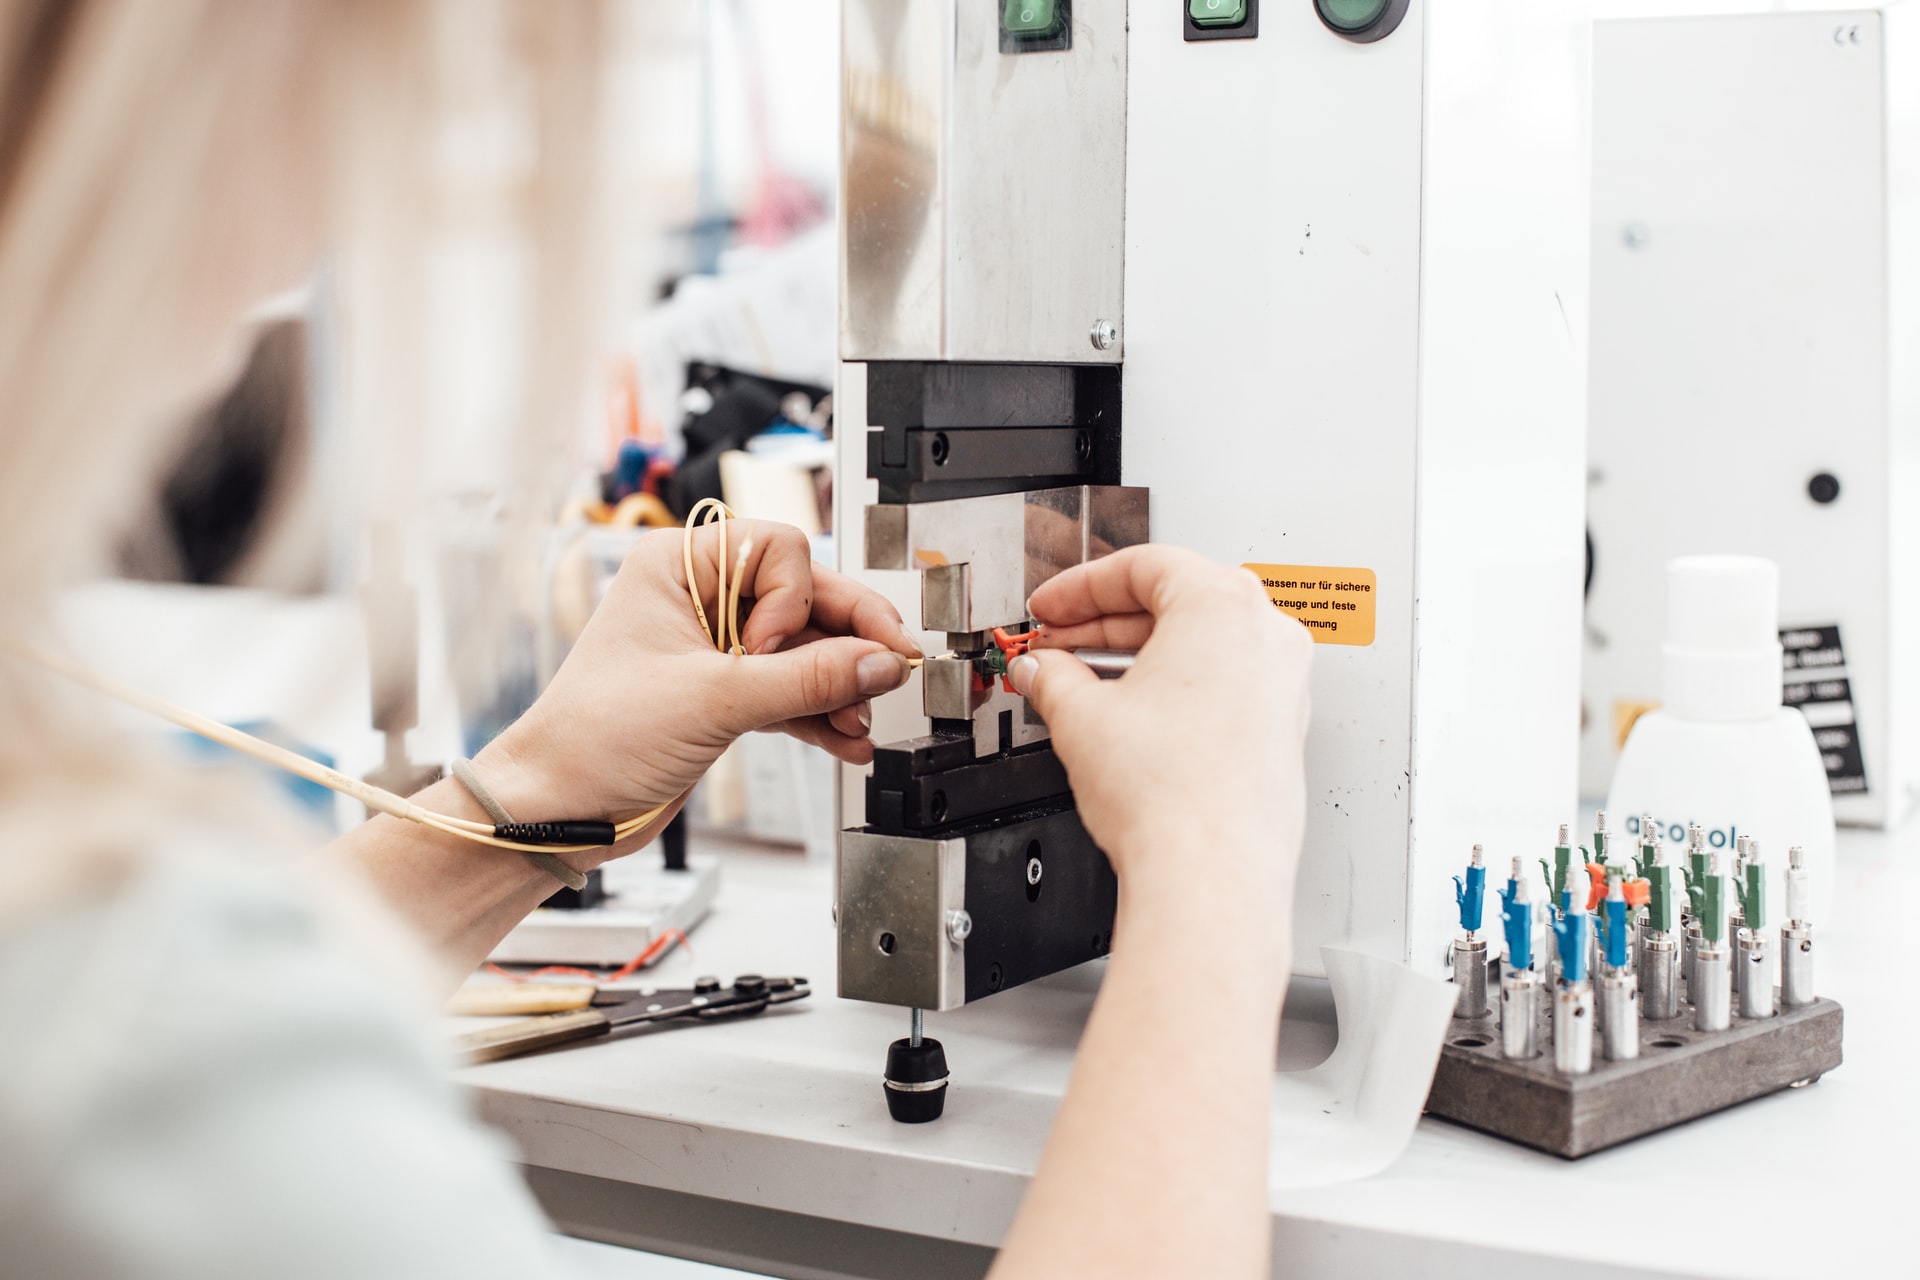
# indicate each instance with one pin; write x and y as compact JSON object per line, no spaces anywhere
{"x":1009,"y":543}
{"x":897,"y":896}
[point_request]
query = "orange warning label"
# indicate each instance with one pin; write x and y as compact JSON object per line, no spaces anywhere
{"x":1337,"y":605}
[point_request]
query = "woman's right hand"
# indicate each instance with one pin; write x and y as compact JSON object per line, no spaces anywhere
{"x":1188,"y":771}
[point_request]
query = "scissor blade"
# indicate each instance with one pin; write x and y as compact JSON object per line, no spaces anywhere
{"x":656,"y":1008}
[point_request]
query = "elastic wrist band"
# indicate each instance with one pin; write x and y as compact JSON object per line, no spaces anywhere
{"x":566,"y":875}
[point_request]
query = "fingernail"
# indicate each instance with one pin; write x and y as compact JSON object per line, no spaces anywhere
{"x":863,"y":712}
{"x":771,"y":644}
{"x":1021,"y":672}
{"x":880,"y":673}
{"x":911,"y":642}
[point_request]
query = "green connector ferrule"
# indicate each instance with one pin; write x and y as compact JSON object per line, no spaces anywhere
{"x":1753,"y":896}
{"x":1713,"y":913}
{"x":1696,"y":873}
{"x":1662,"y":909}
{"x":996,"y":660}
{"x":1562,"y":859}
{"x":1600,"y":847}
{"x":1645,"y":863}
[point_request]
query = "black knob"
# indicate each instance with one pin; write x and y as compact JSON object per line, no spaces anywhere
{"x":916,"y":1081}
{"x":673,"y":842}
{"x":705,"y":986}
{"x":750,"y":984}
{"x":1824,"y":488}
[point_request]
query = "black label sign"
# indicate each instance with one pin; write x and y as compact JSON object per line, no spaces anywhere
{"x":1813,"y":670}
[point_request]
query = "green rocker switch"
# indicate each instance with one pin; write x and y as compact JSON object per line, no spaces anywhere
{"x":1217,"y":13}
{"x":1029,"y":17}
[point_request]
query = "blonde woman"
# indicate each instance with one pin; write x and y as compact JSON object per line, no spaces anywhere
{"x":200,"y":1075}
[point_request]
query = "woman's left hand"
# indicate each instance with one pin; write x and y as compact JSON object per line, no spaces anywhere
{"x":645,"y":702}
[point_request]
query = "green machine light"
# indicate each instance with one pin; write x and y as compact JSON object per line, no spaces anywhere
{"x":1362,"y":21}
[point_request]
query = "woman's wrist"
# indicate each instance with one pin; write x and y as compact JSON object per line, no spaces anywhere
{"x":537,"y":780}
{"x":520,"y":785}
{"x":520,"y":769}
{"x":513,"y":777}
{"x":1225,"y":938}
{"x":1208,"y":897}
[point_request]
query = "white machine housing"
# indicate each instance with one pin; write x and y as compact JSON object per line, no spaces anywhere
{"x":1755,"y":310}
{"x":1346,"y":276}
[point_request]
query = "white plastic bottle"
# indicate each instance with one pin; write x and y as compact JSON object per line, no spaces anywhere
{"x":1721,"y":750}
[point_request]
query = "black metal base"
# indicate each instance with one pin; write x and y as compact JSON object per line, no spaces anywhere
{"x":1680,"y":1075}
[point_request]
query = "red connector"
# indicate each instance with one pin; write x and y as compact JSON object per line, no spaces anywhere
{"x":1596,"y":886}
{"x":1011,"y":647}
{"x":1015,"y":645}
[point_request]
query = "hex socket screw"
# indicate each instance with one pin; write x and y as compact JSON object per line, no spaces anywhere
{"x":959,"y":927}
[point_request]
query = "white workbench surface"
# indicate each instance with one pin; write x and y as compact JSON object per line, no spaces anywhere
{"x":782,"y":1115}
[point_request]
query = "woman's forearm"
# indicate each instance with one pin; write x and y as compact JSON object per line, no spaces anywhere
{"x":1157,"y":1161}
{"x":462,"y":898}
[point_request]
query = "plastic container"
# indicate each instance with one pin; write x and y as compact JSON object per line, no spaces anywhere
{"x":1721,"y":750}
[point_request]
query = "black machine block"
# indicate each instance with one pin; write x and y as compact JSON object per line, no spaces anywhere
{"x":926,"y":784}
{"x":1026,"y":926}
{"x":942,"y":430}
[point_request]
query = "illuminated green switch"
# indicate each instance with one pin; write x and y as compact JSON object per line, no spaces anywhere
{"x":1351,"y":15}
{"x":1217,"y":13}
{"x":1030,"y":17}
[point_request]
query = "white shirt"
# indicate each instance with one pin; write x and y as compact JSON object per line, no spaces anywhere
{"x":195,"y":1082}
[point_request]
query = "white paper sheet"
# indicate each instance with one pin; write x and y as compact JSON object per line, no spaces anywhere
{"x":1352,"y":1116}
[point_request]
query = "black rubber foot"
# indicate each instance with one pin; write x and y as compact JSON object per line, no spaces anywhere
{"x":916,"y":1081}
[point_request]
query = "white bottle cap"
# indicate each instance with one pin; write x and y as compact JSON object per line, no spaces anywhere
{"x":1723,"y":638}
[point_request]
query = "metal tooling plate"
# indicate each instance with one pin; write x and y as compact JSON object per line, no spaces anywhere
{"x":1681,"y":1074}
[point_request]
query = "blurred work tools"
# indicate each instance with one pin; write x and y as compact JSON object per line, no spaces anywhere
{"x":566,"y":1012}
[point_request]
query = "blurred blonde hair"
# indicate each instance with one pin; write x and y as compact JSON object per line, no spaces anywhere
{"x":163,"y":165}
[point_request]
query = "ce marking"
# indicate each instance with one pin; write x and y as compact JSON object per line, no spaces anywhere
{"x":1845,"y":35}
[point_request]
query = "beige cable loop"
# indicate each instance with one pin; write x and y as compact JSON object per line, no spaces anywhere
{"x":726,"y":592}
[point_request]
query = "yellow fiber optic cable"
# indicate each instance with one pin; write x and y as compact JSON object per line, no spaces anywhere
{"x":378,"y":799}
